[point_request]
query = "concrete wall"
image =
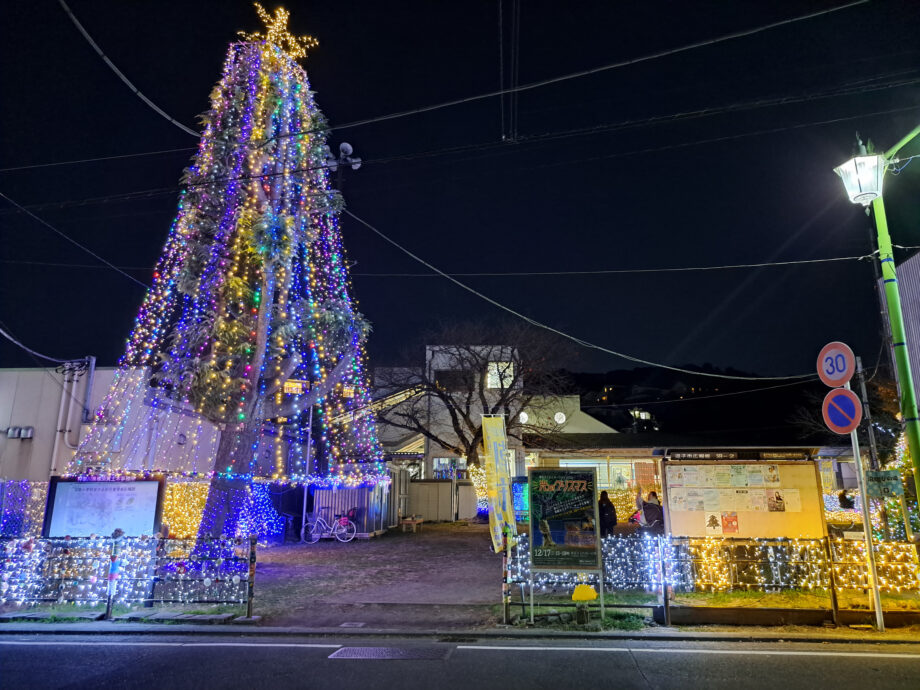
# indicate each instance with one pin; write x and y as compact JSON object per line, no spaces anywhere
{"x":137,"y":436}
{"x":53,"y":406}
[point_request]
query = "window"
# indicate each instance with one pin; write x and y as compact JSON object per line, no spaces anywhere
{"x":500,"y":375}
{"x":453,"y":379}
{"x":610,"y":475}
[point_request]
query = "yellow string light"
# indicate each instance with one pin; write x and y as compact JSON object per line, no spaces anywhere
{"x":277,"y":33}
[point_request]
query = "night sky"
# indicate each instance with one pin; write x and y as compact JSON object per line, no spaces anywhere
{"x":750,"y":181}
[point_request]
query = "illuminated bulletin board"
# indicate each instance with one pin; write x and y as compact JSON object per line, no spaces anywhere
{"x":743,"y":499}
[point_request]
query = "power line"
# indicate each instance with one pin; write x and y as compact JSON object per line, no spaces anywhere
{"x":619,"y":270}
{"x":120,"y":74}
{"x":584,"y":73}
{"x":853,"y":88}
{"x":579,"y":341}
{"x":469,"y":148}
{"x":97,"y":159}
{"x":18,"y":344}
{"x":489,"y":146}
{"x":510,"y":273}
{"x":701,"y":397}
{"x":72,"y":241}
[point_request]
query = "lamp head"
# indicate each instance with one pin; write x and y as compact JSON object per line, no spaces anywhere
{"x":862,"y":177}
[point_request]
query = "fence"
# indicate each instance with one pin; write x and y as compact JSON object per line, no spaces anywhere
{"x":123,"y":570}
{"x":682,"y":564}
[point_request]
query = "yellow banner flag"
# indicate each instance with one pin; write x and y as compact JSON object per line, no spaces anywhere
{"x":498,"y":480}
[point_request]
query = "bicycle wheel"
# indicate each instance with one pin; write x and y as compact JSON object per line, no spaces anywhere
{"x":346,"y":532}
{"x":314,"y":532}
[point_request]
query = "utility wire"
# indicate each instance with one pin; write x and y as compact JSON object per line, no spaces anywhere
{"x":121,"y":75}
{"x":579,"y":341}
{"x":472,"y":148}
{"x":18,"y":344}
{"x":584,"y":73}
{"x":852,"y":88}
{"x":509,"y":273}
{"x":35,"y":358}
{"x":72,"y":241}
{"x":619,"y":270}
{"x":98,"y":159}
{"x":701,"y":397}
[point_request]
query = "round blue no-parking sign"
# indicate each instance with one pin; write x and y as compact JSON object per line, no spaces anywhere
{"x":842,"y":410}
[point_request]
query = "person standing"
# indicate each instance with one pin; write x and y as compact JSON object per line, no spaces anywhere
{"x":607,"y":514}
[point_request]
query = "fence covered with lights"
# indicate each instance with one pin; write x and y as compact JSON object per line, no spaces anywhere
{"x":724,"y":564}
{"x":126,"y":570}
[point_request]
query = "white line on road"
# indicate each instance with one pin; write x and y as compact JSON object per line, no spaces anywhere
{"x":27,"y":643}
{"x":672,"y":650}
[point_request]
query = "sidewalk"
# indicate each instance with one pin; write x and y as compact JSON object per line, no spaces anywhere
{"x":107,"y":628}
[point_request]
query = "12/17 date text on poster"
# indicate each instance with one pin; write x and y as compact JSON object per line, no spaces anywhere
{"x":563,"y":519}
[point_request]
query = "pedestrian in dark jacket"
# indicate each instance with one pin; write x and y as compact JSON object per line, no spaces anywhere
{"x":607,"y":514}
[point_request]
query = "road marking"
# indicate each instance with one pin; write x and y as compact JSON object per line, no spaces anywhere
{"x":672,"y":650}
{"x":70,"y":643}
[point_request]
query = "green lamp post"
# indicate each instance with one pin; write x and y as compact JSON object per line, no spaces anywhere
{"x":862,"y":176}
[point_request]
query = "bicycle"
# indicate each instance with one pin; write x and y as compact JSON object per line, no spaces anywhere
{"x":342,"y":528}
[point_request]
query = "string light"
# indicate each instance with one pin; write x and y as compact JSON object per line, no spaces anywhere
{"x":137,"y":568}
{"x":251,"y":290}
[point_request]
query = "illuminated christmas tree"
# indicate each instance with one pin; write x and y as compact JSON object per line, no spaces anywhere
{"x":248,"y":347}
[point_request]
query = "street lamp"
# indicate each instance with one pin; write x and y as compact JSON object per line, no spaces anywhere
{"x":862,"y":176}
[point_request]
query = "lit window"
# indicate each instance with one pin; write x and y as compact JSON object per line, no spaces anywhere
{"x":499,"y":375}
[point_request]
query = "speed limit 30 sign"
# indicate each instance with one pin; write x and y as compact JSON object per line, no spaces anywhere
{"x":836,"y":364}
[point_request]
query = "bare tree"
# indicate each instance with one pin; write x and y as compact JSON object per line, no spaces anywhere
{"x":883,"y":402}
{"x":471,"y":370}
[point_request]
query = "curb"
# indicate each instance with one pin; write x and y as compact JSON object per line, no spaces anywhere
{"x":106,"y":628}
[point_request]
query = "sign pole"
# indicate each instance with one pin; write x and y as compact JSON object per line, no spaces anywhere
{"x":603,"y":615}
{"x":867,"y":530}
{"x":531,"y":593}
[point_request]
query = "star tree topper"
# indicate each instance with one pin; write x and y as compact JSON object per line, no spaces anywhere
{"x":277,"y":33}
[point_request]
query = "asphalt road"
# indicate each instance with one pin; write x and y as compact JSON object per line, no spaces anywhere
{"x":355,"y":663}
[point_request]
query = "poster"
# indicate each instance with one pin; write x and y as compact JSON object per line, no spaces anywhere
{"x":775,"y":501}
{"x":723,"y":475}
{"x":675,"y":474}
{"x":758,"y":501}
{"x":691,"y":476}
{"x":727,"y":499}
{"x":79,"y":509}
{"x":742,"y":500}
{"x":677,"y":499}
{"x":739,"y":475}
{"x":729,"y":522}
{"x":695,"y":499}
{"x":563,"y":511}
{"x":771,"y":475}
{"x":713,"y":524}
{"x":828,"y":476}
{"x":707,"y":476}
{"x":793,"y":500}
{"x":711,"y":500}
{"x":755,"y":475}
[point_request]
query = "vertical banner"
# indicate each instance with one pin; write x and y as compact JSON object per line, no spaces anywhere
{"x":563,"y":519}
{"x":498,"y":479}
